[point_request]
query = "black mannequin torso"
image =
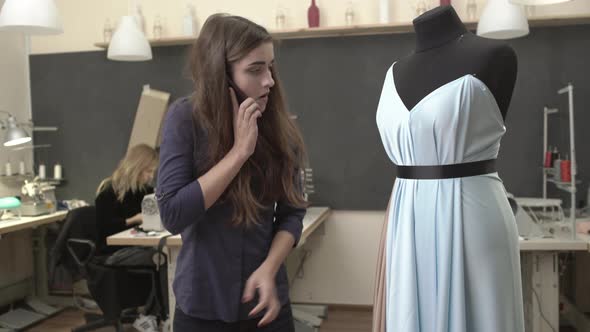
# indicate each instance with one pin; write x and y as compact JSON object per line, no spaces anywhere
{"x":445,"y":51}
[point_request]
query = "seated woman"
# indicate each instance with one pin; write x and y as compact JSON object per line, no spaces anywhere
{"x":118,"y":207}
{"x":118,"y":200}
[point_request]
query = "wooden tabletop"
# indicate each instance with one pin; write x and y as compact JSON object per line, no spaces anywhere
{"x":130,"y":238}
{"x":314,"y":217}
{"x":7,"y":226}
{"x":317,"y":215}
{"x":554,"y":245}
{"x":585,"y":238}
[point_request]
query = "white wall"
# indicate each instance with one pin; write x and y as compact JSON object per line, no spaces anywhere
{"x":14,"y":98}
{"x":83,"y":20}
{"x":341,"y":266}
{"x":15,"y":248}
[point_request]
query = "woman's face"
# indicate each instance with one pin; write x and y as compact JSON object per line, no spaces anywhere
{"x":252,"y":74}
{"x":148,"y":175}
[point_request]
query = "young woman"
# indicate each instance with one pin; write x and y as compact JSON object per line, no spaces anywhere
{"x":118,"y":200}
{"x":229,"y":183}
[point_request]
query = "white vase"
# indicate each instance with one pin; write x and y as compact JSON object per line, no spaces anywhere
{"x":383,"y":11}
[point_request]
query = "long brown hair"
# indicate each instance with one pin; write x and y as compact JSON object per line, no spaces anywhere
{"x":272,"y":172}
{"x":127,"y":177}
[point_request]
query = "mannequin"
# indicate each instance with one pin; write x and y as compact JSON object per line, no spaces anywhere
{"x":446,"y":50}
{"x":449,"y":257}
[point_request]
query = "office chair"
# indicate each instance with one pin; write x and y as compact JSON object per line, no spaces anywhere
{"x":114,"y":288}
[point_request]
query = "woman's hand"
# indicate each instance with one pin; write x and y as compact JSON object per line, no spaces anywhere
{"x":263,"y":280}
{"x":245,"y":125}
{"x":135,"y":220}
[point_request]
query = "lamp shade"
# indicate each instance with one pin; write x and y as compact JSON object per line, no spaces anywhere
{"x":537,"y":2}
{"x":32,"y":17}
{"x":14,"y":134}
{"x":129,"y":43}
{"x":501,"y":19}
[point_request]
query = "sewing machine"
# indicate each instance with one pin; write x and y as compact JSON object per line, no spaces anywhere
{"x":38,"y":198}
{"x":150,"y":214}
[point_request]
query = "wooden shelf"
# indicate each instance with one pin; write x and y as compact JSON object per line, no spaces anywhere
{"x":17,"y":177}
{"x":19,"y":180}
{"x":364,"y":30}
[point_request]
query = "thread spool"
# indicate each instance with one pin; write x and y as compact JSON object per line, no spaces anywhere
{"x":548,"y":158}
{"x":57,"y":171}
{"x":566,"y":170}
{"x":557,"y":169}
{"x":21,"y":168}
{"x":554,"y":155}
{"x":8,"y":169}
{"x":42,"y":171}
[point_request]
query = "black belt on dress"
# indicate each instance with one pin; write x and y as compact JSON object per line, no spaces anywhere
{"x":447,"y":171}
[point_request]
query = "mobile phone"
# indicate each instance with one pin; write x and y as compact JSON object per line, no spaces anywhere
{"x":240,"y":95}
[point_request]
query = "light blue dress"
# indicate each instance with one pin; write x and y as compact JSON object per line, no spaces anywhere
{"x":452,"y":256}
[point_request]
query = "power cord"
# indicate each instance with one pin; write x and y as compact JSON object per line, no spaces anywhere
{"x":541,"y":309}
{"x":299,"y":271}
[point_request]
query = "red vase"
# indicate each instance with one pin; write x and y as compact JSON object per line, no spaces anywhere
{"x":313,"y":15}
{"x":445,"y":2}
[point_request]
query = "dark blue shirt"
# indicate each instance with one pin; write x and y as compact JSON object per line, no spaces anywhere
{"x":216,"y":257}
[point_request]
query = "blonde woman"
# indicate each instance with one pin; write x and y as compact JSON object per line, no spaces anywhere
{"x":118,"y":207}
{"x":118,"y":200}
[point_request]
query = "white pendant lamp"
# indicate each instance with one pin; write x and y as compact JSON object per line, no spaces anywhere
{"x":129,"y":43}
{"x":501,"y":19}
{"x":32,"y":17}
{"x":537,"y":2}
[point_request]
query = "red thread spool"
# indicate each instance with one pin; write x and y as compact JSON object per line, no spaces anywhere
{"x":548,"y":159}
{"x":566,"y":171}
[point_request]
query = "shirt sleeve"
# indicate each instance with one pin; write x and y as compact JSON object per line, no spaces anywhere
{"x":179,"y":194}
{"x":290,"y":218}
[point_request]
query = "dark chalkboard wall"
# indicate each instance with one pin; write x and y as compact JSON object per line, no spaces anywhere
{"x":333,"y":85}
